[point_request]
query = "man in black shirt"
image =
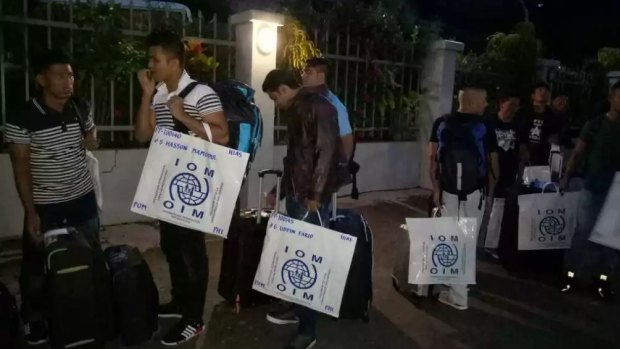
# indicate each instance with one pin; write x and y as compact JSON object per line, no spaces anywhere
{"x":541,"y":126}
{"x":511,"y":144}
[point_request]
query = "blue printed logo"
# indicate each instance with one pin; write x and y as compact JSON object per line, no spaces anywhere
{"x":299,"y":274}
{"x":445,"y":255}
{"x":189,"y":189}
{"x":552,"y":225}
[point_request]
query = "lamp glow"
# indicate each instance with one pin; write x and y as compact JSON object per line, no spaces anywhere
{"x":266,"y":37}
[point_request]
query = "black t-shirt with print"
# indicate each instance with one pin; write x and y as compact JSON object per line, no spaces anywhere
{"x":542,"y":130}
{"x":509,"y":136}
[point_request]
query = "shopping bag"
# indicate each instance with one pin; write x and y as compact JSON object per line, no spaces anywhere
{"x":494,"y":227}
{"x":305,"y":264}
{"x":190,"y":182}
{"x":442,"y":250}
{"x":547,"y":221}
{"x":607,"y":229}
{"x":93,"y":168}
{"x":533,"y":174}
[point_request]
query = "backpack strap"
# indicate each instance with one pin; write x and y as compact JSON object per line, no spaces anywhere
{"x":81,"y":120}
{"x":179,"y":126}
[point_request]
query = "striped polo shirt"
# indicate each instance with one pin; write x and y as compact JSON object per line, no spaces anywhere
{"x":201,"y":101}
{"x":57,"y":154}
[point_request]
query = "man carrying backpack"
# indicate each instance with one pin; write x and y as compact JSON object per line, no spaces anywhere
{"x":463,"y":163}
{"x":198,"y":113}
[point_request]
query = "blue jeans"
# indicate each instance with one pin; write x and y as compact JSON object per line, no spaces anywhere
{"x":585,"y":256}
{"x":297,"y":210}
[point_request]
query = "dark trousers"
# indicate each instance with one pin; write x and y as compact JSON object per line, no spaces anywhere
{"x":80,"y":214}
{"x":186,"y":254}
{"x":297,"y":210}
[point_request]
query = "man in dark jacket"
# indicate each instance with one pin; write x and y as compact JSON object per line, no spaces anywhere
{"x":310,"y":173}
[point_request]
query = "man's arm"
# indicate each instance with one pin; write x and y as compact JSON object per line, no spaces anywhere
{"x":576,"y":158}
{"x":493,"y":173}
{"x":326,"y":146}
{"x":20,"y":159}
{"x":524,"y":158}
{"x":145,"y":120}
{"x":432,"y":158}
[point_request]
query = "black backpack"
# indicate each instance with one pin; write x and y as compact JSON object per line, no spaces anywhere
{"x":9,"y":318}
{"x":461,"y":155}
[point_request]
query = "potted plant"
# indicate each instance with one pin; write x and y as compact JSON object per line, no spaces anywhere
{"x":609,"y":57}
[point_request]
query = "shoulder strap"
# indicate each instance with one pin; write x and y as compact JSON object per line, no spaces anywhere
{"x":188,"y":89}
{"x":80,"y":116}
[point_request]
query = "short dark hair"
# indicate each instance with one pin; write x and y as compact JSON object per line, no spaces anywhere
{"x":615,"y":87}
{"x":318,"y":62}
{"x":541,"y":84}
{"x":44,"y":60}
{"x":506,"y":96}
{"x":279,"y":77}
{"x":169,"y":41}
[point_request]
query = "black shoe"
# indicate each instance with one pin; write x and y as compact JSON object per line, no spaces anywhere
{"x":284,"y":316}
{"x":603,"y":290}
{"x":169,"y":310}
{"x":568,"y":283}
{"x":36,"y":333}
{"x":182,"y":332}
{"x":301,"y":341}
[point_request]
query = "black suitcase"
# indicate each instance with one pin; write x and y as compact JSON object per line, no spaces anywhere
{"x":357,"y":297}
{"x":242,"y":252}
{"x":78,"y":288}
{"x":135,"y":295}
{"x":9,"y":318}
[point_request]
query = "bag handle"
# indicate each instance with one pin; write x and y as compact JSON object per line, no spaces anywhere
{"x":557,"y":190}
{"x":261,"y":176}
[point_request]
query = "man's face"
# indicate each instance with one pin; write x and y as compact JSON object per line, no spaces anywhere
{"x":560,"y":103}
{"x":57,"y":80}
{"x":282,"y":97}
{"x":161,"y":64}
{"x":511,"y":106}
{"x":312,"y":76}
{"x":614,"y":100}
{"x":541,"y":95}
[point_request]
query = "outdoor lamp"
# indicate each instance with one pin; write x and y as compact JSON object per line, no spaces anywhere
{"x":266,"y":37}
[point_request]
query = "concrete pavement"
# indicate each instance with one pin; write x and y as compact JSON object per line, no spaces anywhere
{"x":505,"y":311}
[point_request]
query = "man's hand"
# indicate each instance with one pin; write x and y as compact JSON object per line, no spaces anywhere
{"x":91,"y":142}
{"x":312,"y":205}
{"x":488,"y":205}
{"x":271,"y":199}
{"x":146,"y":81}
{"x":177,"y":109}
{"x":564,"y":184}
{"x":33,"y":225}
{"x":437,"y":199}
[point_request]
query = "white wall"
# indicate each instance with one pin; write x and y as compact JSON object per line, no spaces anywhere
{"x":384,"y":166}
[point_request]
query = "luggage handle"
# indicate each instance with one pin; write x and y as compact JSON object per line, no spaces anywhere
{"x":261,"y":176}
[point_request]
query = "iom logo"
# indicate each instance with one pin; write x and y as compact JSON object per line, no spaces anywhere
{"x":298,"y":274}
{"x":552,"y":225}
{"x":188,"y":188}
{"x":445,"y":255}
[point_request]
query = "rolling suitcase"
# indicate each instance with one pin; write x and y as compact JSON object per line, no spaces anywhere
{"x":9,"y":318}
{"x":357,"y":297}
{"x":242,"y":251}
{"x":135,"y":295}
{"x":78,"y":289}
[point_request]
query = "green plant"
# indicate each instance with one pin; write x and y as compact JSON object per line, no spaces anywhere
{"x":198,"y":65}
{"x":609,"y":57}
{"x":297,"y":45}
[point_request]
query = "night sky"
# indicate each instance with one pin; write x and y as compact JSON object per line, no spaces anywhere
{"x":571,"y":30}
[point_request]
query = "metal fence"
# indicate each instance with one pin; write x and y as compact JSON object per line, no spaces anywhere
{"x":348,"y":78}
{"x":26,"y":30}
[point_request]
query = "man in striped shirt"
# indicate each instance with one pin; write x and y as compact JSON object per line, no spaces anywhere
{"x":47,"y":136}
{"x":199,"y":113}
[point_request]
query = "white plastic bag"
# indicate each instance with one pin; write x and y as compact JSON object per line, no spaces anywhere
{"x":305,"y":264}
{"x":93,"y":168}
{"x":547,"y":221}
{"x":494,"y":227}
{"x":607,"y":229}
